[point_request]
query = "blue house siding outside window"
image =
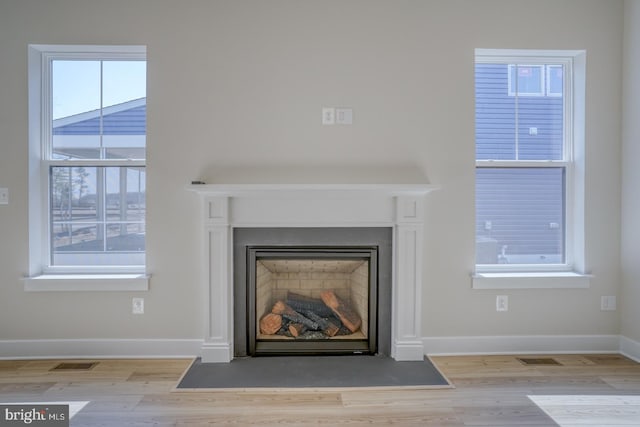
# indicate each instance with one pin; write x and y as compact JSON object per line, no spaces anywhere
{"x":130,"y":121}
{"x":515,"y":127}
{"x":520,"y":210}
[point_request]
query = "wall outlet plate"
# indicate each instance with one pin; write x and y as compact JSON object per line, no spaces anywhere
{"x":502,"y":303}
{"x":608,"y":303}
{"x":4,"y":196}
{"x":137,"y":305}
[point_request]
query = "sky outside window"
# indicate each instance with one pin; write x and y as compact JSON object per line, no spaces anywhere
{"x":77,"y":85}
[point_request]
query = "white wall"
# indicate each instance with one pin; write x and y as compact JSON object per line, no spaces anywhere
{"x":235,"y":90}
{"x":631,"y":176}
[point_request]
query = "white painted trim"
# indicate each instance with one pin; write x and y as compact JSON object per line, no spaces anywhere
{"x":86,"y":282}
{"x":225,"y":206}
{"x":304,"y":190}
{"x":531,"y":55}
{"x":216,"y":352}
{"x":630,"y":348}
{"x":539,"y":280}
{"x":408,"y":351}
{"x":431,"y":346}
{"x":521,"y":344}
{"x":99,"y":348}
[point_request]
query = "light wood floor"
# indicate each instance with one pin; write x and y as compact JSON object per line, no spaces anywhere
{"x":593,"y":390}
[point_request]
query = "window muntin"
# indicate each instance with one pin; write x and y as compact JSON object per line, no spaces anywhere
{"x":93,"y":158}
{"x":523,"y":162}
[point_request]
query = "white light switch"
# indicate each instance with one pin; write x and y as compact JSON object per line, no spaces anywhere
{"x":4,"y":196}
{"x":344,"y":116}
{"x":608,"y":303}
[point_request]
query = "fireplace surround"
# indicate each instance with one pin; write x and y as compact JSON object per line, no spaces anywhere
{"x":353,"y":262}
{"x":227,"y":208}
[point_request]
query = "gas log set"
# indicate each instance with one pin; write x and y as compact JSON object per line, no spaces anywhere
{"x":303,"y":317}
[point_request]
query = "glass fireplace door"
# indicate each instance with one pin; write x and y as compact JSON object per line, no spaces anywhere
{"x":312,"y":300}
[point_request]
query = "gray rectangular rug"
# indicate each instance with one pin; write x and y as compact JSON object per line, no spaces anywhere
{"x":312,"y":371}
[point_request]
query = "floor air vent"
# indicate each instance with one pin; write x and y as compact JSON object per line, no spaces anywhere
{"x":609,"y":359}
{"x":538,"y":361}
{"x":78,"y":366}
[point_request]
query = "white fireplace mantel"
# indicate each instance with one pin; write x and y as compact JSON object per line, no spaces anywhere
{"x":226,"y":206}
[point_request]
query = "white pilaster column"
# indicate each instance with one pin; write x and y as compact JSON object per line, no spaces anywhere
{"x":216,"y":279}
{"x":407,"y":290}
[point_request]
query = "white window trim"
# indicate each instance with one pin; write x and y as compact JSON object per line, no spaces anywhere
{"x":572,"y":273}
{"x":531,"y":280}
{"x":41,"y":275}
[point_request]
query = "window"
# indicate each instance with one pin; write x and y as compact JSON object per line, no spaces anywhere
{"x":87,"y":140}
{"x":526,"y":213}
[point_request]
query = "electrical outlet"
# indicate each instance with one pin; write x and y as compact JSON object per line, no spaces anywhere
{"x":502,"y":303}
{"x":137,"y":306}
{"x":608,"y":303}
{"x":4,"y":196}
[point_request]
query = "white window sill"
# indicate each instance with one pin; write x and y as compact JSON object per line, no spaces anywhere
{"x":531,"y":280}
{"x":86,"y":282}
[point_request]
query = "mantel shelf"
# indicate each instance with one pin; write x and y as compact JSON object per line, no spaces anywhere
{"x":248,"y":190}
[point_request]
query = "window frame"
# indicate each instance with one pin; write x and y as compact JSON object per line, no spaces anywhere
{"x":573,"y":63}
{"x":40,"y":163}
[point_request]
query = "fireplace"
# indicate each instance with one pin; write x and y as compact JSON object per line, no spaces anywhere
{"x":236,"y":217}
{"x":309,"y":290}
{"x":312,"y":300}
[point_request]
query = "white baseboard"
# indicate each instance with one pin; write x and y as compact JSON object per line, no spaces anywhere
{"x":99,"y":348}
{"x":406,"y":351}
{"x":216,"y":352}
{"x":630,"y":348}
{"x":433,"y":346}
{"x":524,"y":344}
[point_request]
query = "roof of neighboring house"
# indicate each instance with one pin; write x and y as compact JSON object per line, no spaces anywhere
{"x":127,"y":118}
